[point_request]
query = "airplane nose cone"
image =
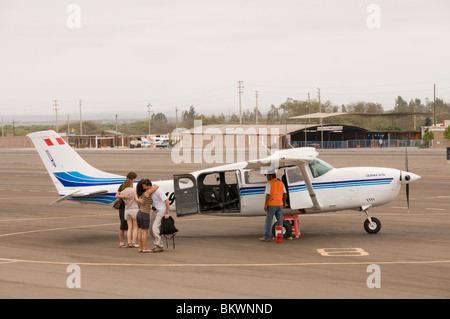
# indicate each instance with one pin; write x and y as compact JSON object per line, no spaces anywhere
{"x":408,"y":177}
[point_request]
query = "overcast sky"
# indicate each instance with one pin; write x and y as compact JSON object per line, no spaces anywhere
{"x":126,"y":54}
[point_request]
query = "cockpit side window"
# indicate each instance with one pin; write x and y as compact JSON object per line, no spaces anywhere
{"x":294,"y":175}
{"x":319,"y":167}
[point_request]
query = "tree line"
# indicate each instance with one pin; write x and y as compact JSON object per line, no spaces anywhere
{"x":159,"y":123}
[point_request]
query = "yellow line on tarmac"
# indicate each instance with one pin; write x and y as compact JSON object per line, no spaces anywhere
{"x":80,"y":226}
{"x":60,"y":217}
{"x":9,"y":199}
{"x":53,"y":229}
{"x":424,"y":262}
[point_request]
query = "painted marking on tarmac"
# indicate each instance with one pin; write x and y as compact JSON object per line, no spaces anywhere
{"x":54,"y":229}
{"x":342,"y":252}
{"x":59,"y":217}
{"x":21,"y":198}
{"x":231,"y":265}
{"x":328,"y":251}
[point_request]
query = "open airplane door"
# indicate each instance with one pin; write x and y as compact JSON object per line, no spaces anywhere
{"x":185,"y":189}
{"x":299,"y":197}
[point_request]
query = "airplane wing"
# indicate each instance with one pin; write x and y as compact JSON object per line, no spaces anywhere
{"x":80,"y":193}
{"x":284,"y":158}
{"x":300,"y":157}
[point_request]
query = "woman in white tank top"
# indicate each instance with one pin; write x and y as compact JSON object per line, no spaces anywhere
{"x":131,"y":209}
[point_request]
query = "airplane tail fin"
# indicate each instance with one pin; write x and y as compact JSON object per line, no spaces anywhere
{"x":66,"y":168}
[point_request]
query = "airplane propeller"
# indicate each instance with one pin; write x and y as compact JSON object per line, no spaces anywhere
{"x":407,"y":176}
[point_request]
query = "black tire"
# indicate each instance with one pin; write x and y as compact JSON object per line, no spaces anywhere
{"x":372,"y":229}
{"x":287,"y":229}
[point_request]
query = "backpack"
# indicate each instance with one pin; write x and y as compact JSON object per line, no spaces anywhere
{"x":168,"y":229}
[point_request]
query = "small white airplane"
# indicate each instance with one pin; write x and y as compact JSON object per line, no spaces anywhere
{"x":146,"y":142}
{"x":236,"y":189}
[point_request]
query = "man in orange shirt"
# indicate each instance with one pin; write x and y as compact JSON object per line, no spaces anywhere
{"x":275,"y":202}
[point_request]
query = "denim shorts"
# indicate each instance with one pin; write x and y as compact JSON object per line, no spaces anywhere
{"x":143,"y":220}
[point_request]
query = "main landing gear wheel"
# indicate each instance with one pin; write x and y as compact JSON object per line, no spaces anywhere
{"x":372,"y":225}
{"x":287,"y":229}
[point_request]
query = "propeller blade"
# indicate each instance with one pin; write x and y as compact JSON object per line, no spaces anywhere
{"x":406,"y":167}
{"x":406,"y":158}
{"x":407,"y":195}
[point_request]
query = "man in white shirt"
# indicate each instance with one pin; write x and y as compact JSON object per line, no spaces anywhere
{"x":162,"y":206}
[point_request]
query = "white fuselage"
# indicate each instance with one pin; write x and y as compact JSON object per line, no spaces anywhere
{"x":234,"y":189}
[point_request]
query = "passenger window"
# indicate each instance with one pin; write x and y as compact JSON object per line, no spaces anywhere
{"x":212,"y":179}
{"x":254,"y":177}
{"x":184,"y":183}
{"x":230,"y":178}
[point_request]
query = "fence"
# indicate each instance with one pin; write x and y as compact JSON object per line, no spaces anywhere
{"x":358,"y":144}
{"x":15,"y":142}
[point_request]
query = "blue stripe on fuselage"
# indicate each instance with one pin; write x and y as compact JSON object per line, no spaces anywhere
{"x":258,"y":190}
{"x":75,"y":179}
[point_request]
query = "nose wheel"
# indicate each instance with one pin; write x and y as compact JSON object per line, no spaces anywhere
{"x":372,"y":225}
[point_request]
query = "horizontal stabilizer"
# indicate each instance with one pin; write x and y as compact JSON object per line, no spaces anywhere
{"x":80,"y":193}
{"x":65,"y":197}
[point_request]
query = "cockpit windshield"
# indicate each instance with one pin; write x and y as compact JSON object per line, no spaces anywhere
{"x":319,"y":167}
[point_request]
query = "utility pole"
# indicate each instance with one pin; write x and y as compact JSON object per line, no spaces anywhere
{"x":176,"y":116}
{"x":309,"y":107}
{"x":116,"y":122}
{"x":309,"y":102}
{"x":321,"y":119}
{"x":240,"y":87}
{"x":56,"y":111}
{"x":81,"y":125}
{"x":434,"y":106}
{"x":149,"y":105}
{"x":256,"y":108}
{"x":68,"y":125}
{"x":318,"y":95}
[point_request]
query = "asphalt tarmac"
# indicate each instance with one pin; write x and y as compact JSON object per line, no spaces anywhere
{"x":69,"y":250}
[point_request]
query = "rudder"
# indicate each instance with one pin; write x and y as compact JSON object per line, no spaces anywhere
{"x":60,"y":159}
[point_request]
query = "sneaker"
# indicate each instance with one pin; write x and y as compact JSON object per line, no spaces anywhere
{"x":264,"y":239}
{"x":157,"y":249}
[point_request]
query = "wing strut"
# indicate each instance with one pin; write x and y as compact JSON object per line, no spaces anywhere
{"x":307,"y":177}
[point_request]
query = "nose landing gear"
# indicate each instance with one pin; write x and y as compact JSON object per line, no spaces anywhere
{"x":372,"y":225}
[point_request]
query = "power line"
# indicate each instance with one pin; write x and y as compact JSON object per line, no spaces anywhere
{"x":347,"y":87}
